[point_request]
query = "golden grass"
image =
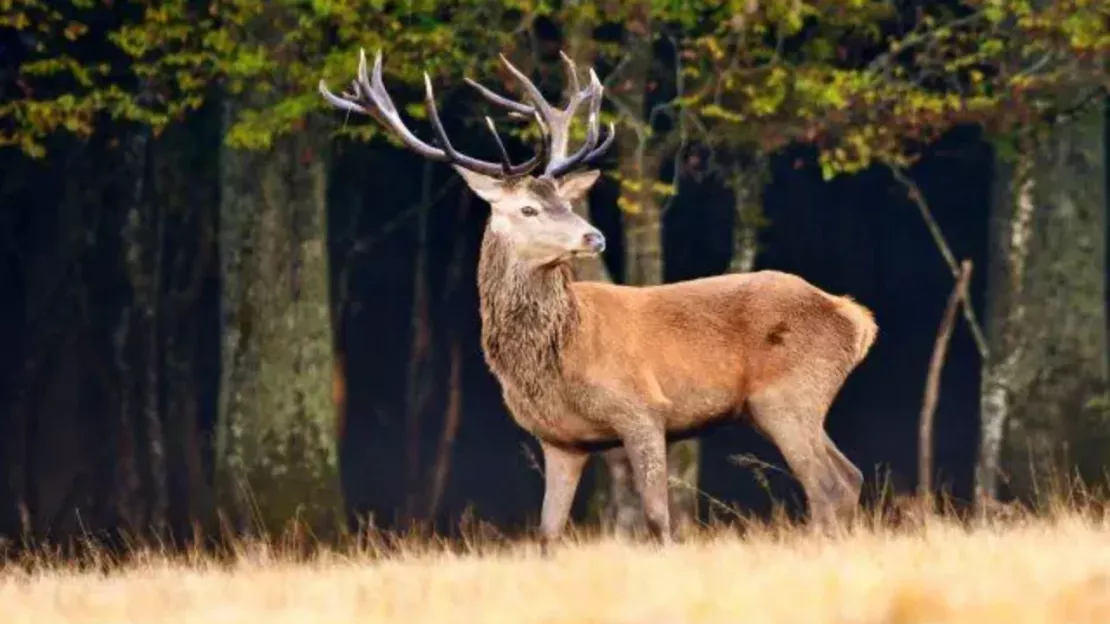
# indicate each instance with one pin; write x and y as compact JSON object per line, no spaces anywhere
{"x":1049,"y":570}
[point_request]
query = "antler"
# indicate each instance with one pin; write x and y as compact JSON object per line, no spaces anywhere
{"x":370,"y":97}
{"x":558,"y":121}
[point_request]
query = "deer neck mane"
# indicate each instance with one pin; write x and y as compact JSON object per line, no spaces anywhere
{"x":528,"y":316}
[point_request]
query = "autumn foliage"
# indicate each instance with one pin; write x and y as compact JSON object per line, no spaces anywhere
{"x":861,"y":81}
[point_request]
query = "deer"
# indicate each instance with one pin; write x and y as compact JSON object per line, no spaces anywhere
{"x":588,"y":366}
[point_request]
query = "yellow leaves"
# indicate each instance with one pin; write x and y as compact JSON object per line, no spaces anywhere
{"x":218,"y":40}
{"x":738,"y":85}
{"x":631,"y":185}
{"x":358,"y":132}
{"x":159,"y":14}
{"x":715,"y":111}
{"x":74,"y":30}
{"x":133,"y":40}
{"x":790,"y":15}
{"x":993,"y":12}
{"x":18,"y":21}
{"x":247,"y":62}
{"x":820,"y":49}
{"x":628,"y":206}
{"x":664,"y":189}
{"x":417,"y":110}
{"x":1083,"y":31}
{"x":775,"y":85}
{"x":251,"y":131}
{"x":860,"y":146}
{"x":46,"y":116}
{"x":26,"y":143}
{"x":322,"y":8}
{"x":635,"y":191}
{"x":713,"y":47}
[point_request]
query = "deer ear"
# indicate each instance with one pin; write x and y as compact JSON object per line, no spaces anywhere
{"x":574,"y":186}
{"x":488,"y":188}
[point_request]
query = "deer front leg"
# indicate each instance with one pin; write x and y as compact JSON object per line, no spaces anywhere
{"x":646,"y":446}
{"x":562,"y":470}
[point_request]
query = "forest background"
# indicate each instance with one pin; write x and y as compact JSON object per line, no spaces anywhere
{"x":227,"y":305}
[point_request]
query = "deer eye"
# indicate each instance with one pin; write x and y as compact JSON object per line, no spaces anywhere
{"x":529,"y":211}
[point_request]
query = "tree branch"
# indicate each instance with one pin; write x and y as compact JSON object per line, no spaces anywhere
{"x":918,"y":198}
{"x":932,"y":383}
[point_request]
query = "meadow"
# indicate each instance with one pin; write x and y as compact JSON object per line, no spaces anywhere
{"x":1052,"y":568}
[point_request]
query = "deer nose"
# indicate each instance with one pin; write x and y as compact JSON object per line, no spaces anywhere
{"x":594,"y":241}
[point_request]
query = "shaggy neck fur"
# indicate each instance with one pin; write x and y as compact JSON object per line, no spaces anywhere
{"x":528,"y":317}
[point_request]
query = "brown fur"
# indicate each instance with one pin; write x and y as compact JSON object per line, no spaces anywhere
{"x":584,"y":365}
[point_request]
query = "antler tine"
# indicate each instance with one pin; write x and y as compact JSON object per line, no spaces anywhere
{"x":590,"y":150}
{"x":500,"y":100}
{"x":578,"y":95}
{"x":600,"y":150}
{"x":557,"y":121}
{"x":595,"y":118}
{"x":505,"y":168}
{"x":506,"y":164}
{"x":342,"y":103}
{"x":520,"y":108}
{"x":371,"y":98}
{"x":572,"y":72}
{"x":542,"y":106}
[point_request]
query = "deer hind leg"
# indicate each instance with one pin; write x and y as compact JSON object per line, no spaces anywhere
{"x":849,"y":473}
{"x":647,"y":454}
{"x":796,"y":427}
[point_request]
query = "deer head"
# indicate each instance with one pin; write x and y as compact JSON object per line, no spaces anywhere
{"x":531,"y":213}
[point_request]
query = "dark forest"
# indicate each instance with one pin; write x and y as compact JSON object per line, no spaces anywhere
{"x":226,"y":302}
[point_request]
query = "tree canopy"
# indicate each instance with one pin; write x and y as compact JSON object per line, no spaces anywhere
{"x":862,"y":81}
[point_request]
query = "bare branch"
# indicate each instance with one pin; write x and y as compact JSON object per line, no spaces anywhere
{"x":932,"y":383}
{"x":918,"y":198}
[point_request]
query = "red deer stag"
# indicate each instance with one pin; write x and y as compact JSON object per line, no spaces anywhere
{"x":586,"y":366}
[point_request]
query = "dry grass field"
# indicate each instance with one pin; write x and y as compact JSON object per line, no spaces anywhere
{"x":1046,"y":570}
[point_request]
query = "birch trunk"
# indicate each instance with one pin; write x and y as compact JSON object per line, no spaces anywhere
{"x":1046,"y":315}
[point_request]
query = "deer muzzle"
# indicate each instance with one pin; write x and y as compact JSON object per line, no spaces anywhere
{"x":593,"y":243}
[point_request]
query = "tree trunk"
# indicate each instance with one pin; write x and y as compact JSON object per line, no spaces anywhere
{"x":276,"y":442}
{"x":421,"y":373}
{"x":614,"y":503}
{"x":452,"y":415}
{"x":579,"y":46}
{"x":747,"y":184}
{"x":138,"y":342}
{"x":1046,"y":315}
{"x":187,"y":194}
{"x":642,"y":215}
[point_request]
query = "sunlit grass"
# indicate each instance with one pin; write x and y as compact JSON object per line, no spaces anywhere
{"x":1047,"y":569}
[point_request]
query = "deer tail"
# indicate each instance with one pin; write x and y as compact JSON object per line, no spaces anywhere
{"x":863,"y":320}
